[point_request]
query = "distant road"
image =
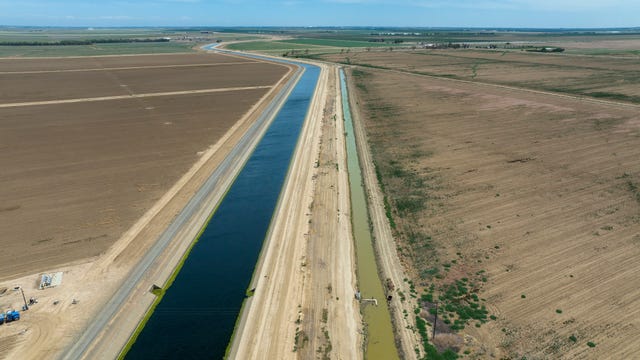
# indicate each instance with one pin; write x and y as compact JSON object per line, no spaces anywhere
{"x":228,"y":169}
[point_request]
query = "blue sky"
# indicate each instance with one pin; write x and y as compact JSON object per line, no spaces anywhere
{"x":426,"y":13}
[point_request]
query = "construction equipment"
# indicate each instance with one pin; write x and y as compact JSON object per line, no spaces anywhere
{"x":12,"y":315}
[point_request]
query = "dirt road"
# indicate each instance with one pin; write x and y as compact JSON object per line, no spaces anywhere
{"x":304,"y":305}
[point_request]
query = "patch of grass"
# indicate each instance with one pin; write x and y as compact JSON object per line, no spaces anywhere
{"x":614,"y":96}
{"x":634,"y":189}
{"x":328,"y":347}
{"x":300,"y":340}
{"x":431,"y":351}
{"x":460,"y":302}
{"x":474,"y":70}
{"x":338,"y":43}
{"x":409,"y":204}
{"x":387,"y":211}
{"x":265,"y":45}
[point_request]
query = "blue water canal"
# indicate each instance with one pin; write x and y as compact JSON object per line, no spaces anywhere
{"x":196,"y":317}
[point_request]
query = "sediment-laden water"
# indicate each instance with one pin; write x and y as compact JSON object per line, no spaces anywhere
{"x":380,"y":340}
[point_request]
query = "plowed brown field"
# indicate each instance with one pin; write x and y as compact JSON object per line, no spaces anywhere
{"x":536,"y":192}
{"x":99,"y":62}
{"x":25,"y":87}
{"x":75,"y":177}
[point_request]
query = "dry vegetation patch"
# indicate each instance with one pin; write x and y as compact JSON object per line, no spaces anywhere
{"x":518,"y":213}
{"x":611,"y":78}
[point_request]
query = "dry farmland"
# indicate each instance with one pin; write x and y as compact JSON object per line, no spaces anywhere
{"x":76,"y":173}
{"x":528,"y":203}
{"x":604,"y":77}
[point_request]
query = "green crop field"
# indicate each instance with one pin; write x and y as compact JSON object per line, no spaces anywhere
{"x":339,"y":43}
{"x":268,"y":45}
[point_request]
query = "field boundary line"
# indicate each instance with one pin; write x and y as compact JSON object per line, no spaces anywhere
{"x":126,"y":68}
{"x":134,"y":96}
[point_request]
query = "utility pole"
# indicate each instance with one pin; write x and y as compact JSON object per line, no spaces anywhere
{"x":26,"y":306}
{"x":435,"y":321}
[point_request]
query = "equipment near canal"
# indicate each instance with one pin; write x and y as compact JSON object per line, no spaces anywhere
{"x":12,"y":315}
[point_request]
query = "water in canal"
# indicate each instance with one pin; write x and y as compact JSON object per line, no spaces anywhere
{"x":196,"y":317}
{"x":380,"y":340}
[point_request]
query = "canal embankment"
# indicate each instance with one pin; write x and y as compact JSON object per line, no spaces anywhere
{"x":380,"y":342}
{"x":197,"y":314}
{"x":402,"y":305}
{"x":109,"y":328}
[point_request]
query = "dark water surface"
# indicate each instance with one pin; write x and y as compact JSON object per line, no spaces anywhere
{"x":195,"y":319}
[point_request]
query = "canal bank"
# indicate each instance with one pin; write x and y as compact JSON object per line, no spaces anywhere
{"x":403,"y":305}
{"x":380,"y":342}
{"x":197,"y":314}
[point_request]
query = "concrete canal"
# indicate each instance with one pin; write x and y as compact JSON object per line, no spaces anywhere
{"x":197,"y":314}
{"x":379,"y":334}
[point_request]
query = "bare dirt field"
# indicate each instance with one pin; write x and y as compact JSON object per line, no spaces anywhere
{"x":630,"y":43}
{"x":27,"y":87}
{"x":76,"y":176}
{"x":79,"y":178}
{"x":82,"y":63}
{"x":612,"y":78}
{"x":518,"y":213}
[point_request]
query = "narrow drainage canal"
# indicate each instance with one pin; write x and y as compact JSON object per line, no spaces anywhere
{"x":197,"y":314}
{"x":380,"y":339}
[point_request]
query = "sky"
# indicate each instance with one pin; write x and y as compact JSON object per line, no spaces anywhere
{"x":409,"y":13}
